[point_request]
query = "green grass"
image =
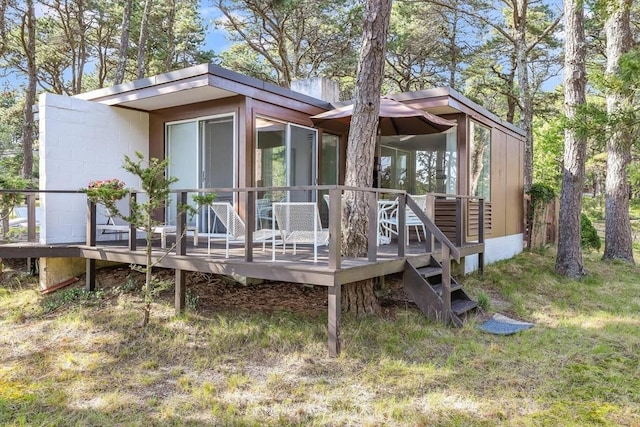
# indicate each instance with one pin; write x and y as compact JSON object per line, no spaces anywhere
{"x":74,"y":359}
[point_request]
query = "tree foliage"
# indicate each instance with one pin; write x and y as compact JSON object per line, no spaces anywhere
{"x":282,"y":41}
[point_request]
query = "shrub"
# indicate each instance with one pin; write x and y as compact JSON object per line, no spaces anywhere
{"x":590,"y":238}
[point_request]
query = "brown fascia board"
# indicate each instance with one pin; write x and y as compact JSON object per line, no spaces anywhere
{"x":447,"y":96}
{"x":203,"y":74}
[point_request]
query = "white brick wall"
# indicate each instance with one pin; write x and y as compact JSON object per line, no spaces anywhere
{"x":81,"y":141}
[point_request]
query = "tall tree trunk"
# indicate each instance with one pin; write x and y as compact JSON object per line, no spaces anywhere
{"x":569,"y":258}
{"x":618,"y":242}
{"x":171,"y":43}
{"x":524,"y":90}
{"x":124,"y":42}
{"x":359,"y":297}
{"x":29,"y":46}
{"x":144,"y":34}
{"x":4,"y":6}
{"x":82,"y":47}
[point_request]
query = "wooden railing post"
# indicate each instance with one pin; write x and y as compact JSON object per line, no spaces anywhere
{"x":31,"y":217}
{"x":132,"y":229}
{"x":402,"y":228}
{"x":460,"y":231}
{"x":430,"y":210}
{"x":91,"y":223}
{"x":372,"y":247}
{"x":481,"y":234}
{"x":181,"y":223}
{"x":250,"y":209}
{"x":90,"y":264}
{"x":335,"y":230}
{"x":446,"y":283}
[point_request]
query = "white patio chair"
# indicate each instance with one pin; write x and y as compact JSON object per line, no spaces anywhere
{"x":235,"y":228}
{"x":107,"y":223}
{"x":386,"y":212}
{"x":388,"y":219}
{"x":299,"y":222}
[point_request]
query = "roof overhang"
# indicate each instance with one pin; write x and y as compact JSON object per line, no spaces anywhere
{"x":444,"y":100}
{"x":199,"y":83}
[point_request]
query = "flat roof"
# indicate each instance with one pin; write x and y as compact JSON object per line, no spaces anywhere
{"x":445,"y":100}
{"x":206,"y":82}
{"x":198,"y":83}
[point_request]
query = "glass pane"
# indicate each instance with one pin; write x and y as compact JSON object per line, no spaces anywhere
{"x":302,"y":162}
{"x":270,"y":159}
{"x":330,"y":158}
{"x":385,"y":175}
{"x":402,"y":170}
{"x":395,"y":167}
{"x":217,"y":164}
{"x":182,"y":151}
{"x":480,"y":161}
{"x":436,"y":163}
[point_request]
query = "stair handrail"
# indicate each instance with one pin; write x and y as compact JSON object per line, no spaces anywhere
{"x":432,"y":227}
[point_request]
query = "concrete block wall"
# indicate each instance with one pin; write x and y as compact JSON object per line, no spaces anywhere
{"x":496,"y":249}
{"x":82,"y":141}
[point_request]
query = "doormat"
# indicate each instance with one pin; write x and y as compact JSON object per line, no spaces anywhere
{"x":503,"y":325}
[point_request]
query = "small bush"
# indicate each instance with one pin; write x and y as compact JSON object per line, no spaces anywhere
{"x":590,"y":238}
{"x":483,"y":301}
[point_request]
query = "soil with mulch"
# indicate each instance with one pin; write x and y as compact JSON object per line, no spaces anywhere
{"x":211,"y":292}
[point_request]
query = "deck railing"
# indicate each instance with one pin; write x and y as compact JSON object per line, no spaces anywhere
{"x":450,"y":230}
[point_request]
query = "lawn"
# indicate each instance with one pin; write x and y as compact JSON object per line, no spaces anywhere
{"x":72,"y":358}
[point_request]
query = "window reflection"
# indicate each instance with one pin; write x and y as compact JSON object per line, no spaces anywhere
{"x":419,"y":164}
{"x":480,"y":161}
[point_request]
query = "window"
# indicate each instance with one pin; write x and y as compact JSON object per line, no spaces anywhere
{"x":419,"y":164}
{"x":480,"y":161}
{"x":286,"y":155}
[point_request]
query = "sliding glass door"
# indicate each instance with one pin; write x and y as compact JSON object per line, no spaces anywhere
{"x":202,"y":155}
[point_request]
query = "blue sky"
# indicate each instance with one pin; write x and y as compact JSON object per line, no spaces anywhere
{"x":215,"y":38}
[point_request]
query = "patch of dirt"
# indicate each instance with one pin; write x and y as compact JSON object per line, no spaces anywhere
{"x":210,"y":292}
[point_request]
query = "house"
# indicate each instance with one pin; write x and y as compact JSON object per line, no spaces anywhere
{"x":227,"y":131}
{"x":213,"y":123}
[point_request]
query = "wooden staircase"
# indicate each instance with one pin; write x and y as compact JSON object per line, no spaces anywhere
{"x":428,"y":288}
{"x":431,"y":286}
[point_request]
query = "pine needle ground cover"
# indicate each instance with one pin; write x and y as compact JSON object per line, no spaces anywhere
{"x":72,"y":358}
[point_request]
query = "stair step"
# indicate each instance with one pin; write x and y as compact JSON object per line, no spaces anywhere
{"x":438,"y":288}
{"x":429,"y":271}
{"x":461,"y":306}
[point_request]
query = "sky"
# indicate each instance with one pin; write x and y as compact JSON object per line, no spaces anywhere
{"x":215,"y":38}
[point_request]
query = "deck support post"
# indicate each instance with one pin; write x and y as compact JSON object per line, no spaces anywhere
{"x":90,"y":277}
{"x":335,"y":309}
{"x":180,"y":291}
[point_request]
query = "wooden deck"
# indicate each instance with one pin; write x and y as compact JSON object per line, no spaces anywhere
{"x":298,"y":268}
